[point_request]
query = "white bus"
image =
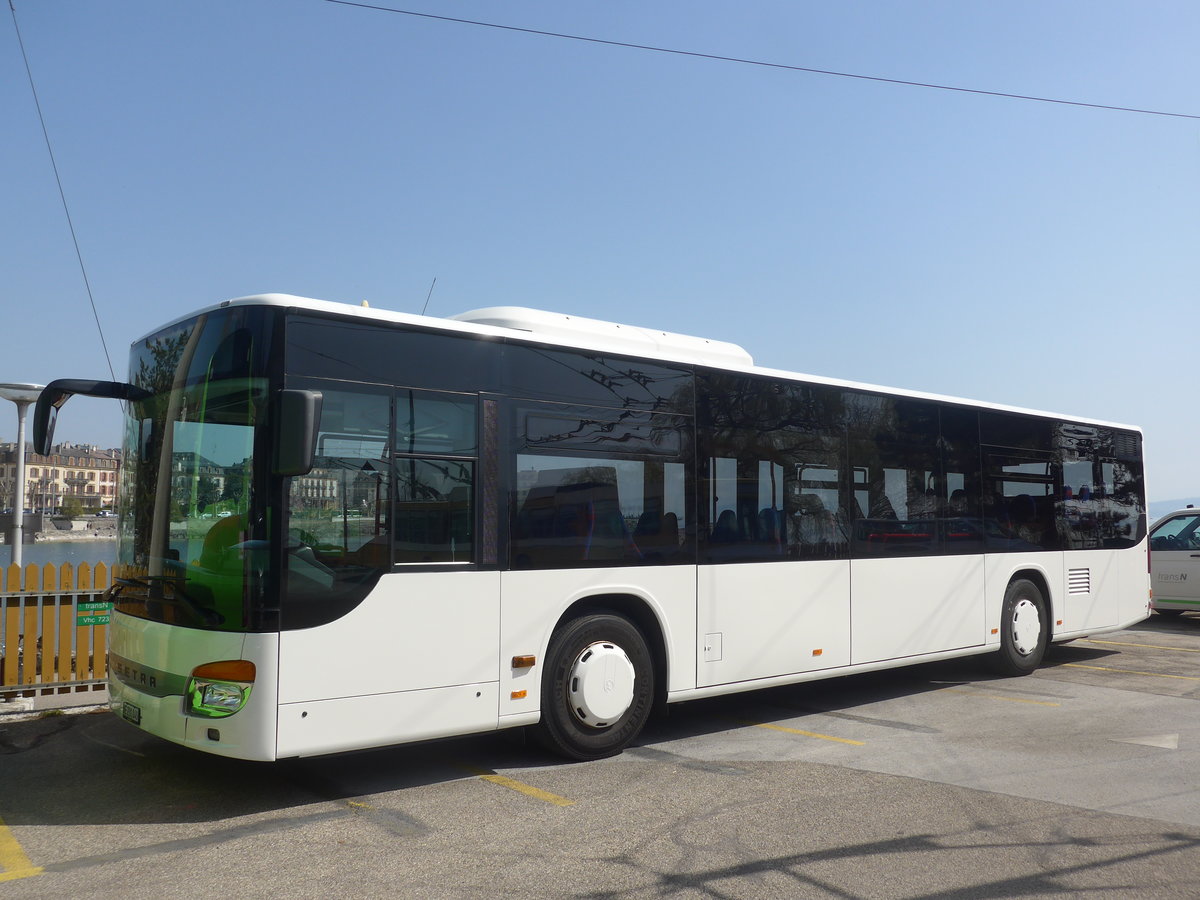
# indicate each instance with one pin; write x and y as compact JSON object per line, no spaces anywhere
{"x":344,"y":528}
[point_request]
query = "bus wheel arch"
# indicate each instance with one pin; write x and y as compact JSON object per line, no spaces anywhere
{"x":1025,"y":624}
{"x":601,"y":677}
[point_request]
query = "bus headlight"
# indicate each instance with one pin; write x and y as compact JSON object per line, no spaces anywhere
{"x":217,"y":690}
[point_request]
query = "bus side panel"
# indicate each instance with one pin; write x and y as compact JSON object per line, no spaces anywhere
{"x":356,"y":723}
{"x":143,"y":689}
{"x":1136,"y":582}
{"x":417,"y":632}
{"x":1091,"y":589}
{"x":906,"y":606}
{"x":534,"y":601}
{"x":760,"y":620}
{"x":1105,"y":589}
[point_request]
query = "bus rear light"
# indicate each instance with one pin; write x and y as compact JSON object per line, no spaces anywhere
{"x":216,"y":690}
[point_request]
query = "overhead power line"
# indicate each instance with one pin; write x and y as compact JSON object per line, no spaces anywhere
{"x":61,"y":193}
{"x":757,"y":62}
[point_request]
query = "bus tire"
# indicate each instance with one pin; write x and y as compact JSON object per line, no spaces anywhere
{"x":1024,"y":629}
{"x":597,"y":687}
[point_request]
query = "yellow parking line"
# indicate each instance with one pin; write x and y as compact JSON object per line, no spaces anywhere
{"x":811,"y":734}
{"x":1144,"y":646}
{"x":999,"y":697}
{"x":14,"y":863}
{"x":1131,"y":672}
{"x":520,"y":787}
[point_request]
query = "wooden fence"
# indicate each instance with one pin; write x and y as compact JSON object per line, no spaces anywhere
{"x":53,"y":638}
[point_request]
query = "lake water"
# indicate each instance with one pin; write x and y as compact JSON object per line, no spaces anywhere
{"x":89,"y":551}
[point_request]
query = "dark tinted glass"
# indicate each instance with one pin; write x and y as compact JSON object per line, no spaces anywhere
{"x":435,"y":423}
{"x":393,"y":484}
{"x":572,"y":511}
{"x":1016,"y":431}
{"x":337,"y":542}
{"x":1019,"y":501}
{"x":599,"y":486}
{"x":898,"y":484}
{"x":603,"y":430}
{"x":590,"y":379}
{"x":334,"y":348}
{"x":1100,"y":498}
{"x":960,"y":487}
{"x":434,"y":510}
{"x":774,"y":478}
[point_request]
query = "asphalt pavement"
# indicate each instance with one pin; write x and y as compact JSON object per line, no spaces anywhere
{"x":937,"y":781}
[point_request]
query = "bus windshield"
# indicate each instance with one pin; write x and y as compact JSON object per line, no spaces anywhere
{"x":192,"y":548}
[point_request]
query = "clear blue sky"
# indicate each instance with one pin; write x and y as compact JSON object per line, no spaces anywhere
{"x":1027,"y":253}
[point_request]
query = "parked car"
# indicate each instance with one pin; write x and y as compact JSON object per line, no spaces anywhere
{"x":1175,"y":562}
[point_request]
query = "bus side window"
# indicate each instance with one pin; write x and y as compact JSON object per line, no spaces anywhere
{"x":435,"y":456}
{"x":1019,"y":502}
{"x":434,"y":512}
{"x":570,"y":511}
{"x":898,"y":486}
{"x":337,"y":543}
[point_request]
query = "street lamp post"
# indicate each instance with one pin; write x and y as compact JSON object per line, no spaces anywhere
{"x":22,"y":395}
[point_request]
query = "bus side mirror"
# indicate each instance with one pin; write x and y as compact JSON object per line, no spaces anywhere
{"x":299,"y":413}
{"x":56,"y":393}
{"x":45,"y":417}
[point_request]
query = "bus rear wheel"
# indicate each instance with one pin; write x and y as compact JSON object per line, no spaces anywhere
{"x":597,"y":687}
{"x":1024,"y":629}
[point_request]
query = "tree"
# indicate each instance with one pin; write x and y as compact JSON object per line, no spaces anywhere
{"x":235,"y":484}
{"x":207,"y":492}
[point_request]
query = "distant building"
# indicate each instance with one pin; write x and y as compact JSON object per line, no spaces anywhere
{"x":82,"y":471}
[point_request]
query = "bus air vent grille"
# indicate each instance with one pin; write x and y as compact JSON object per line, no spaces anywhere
{"x":1079,"y":581}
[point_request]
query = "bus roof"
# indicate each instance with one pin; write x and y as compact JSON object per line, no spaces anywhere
{"x":562,"y":330}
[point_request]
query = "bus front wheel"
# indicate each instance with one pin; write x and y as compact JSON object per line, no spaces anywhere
{"x":597,"y":687}
{"x":1024,"y":629}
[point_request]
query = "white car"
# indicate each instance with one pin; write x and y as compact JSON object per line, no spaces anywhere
{"x":1175,"y":562}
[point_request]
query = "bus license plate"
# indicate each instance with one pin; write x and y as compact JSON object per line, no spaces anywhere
{"x":131,"y":713}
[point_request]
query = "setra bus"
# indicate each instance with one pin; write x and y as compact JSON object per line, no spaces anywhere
{"x":344,"y":528}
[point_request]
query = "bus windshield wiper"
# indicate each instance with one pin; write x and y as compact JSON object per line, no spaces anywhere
{"x":205,"y":615}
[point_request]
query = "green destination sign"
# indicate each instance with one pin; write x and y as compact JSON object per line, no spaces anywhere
{"x":92,"y":614}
